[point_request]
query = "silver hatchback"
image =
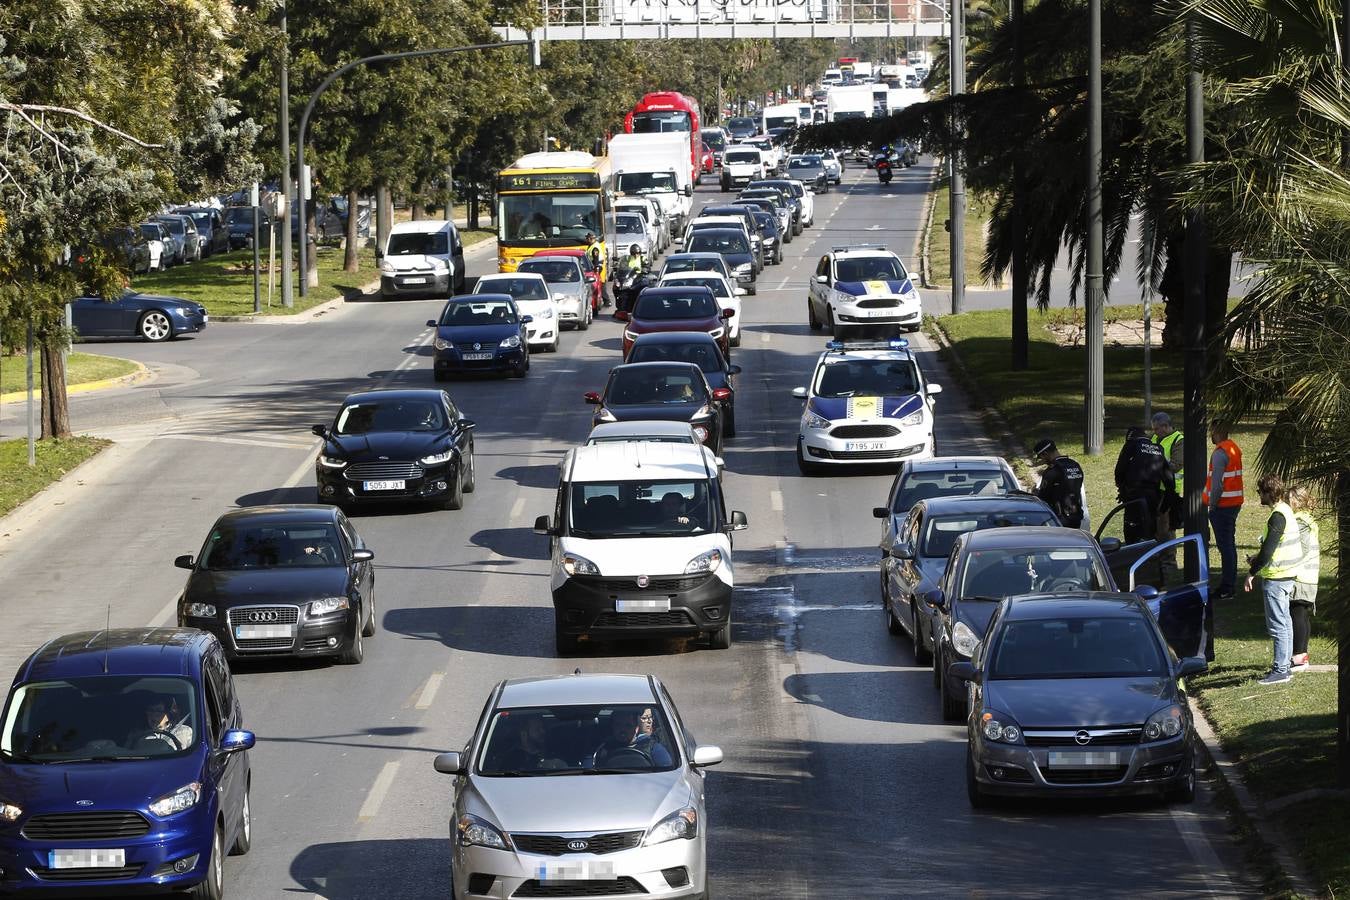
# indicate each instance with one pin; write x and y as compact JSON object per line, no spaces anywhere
{"x":579,"y":786}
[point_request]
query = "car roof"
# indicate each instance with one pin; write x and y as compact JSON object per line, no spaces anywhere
{"x":576,"y":690}
{"x":674,"y":337}
{"x":529,"y":259}
{"x":404,"y":394}
{"x":719,"y":230}
{"x":682,"y":291}
{"x":281,"y":512}
{"x":422,"y":226}
{"x":480,"y":298}
{"x":1028,"y":537}
{"x":641,"y":426}
{"x":848,"y":253}
{"x":121,"y":651}
{"x":638,"y":461}
{"x":654,"y":364}
{"x":1101,"y":604}
{"x":692,"y":273}
{"x":694,"y":254}
{"x":830,"y":357}
{"x":981,"y":503}
{"x":504,"y":276}
{"x":558,"y":251}
{"x":957,"y":463}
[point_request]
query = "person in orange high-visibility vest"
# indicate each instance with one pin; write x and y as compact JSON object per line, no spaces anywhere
{"x":1223,"y":501}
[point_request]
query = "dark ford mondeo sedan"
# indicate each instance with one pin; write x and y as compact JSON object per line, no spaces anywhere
{"x":282,"y":580}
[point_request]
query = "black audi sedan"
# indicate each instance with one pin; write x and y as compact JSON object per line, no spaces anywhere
{"x":481,"y":333}
{"x":701,"y":349}
{"x":282,"y":581}
{"x":663,"y":392}
{"x":396,"y":446}
{"x":1078,"y":695}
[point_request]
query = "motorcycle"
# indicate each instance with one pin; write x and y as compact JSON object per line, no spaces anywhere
{"x":883,"y":167}
{"x":627,"y":284}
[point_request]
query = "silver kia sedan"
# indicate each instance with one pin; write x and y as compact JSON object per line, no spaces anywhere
{"x":579,"y":786}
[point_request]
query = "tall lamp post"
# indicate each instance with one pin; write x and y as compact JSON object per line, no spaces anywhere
{"x":1095,"y":411}
{"x":287,"y":285}
{"x":953,"y":12}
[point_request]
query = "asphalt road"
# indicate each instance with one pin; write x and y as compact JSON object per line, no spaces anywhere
{"x":840,"y":780}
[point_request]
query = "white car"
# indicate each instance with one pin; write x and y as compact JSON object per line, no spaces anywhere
{"x":159,"y":253}
{"x":651,"y":216}
{"x":742,"y":164}
{"x":773,"y":154}
{"x":808,"y":198}
{"x":834,"y":166}
{"x":863,"y":289}
{"x":533,"y":298}
{"x":728,"y":296}
{"x":867,"y":404}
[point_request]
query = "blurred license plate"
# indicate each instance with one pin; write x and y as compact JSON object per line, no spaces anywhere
{"x":864,"y":445}
{"x":385,"y":485}
{"x":1082,"y":759}
{"x":656,"y":605}
{"x":414,"y":281}
{"x":878,"y":313}
{"x":477,"y":356}
{"x":262,"y":632}
{"x":581,"y":870}
{"x":87,"y":859}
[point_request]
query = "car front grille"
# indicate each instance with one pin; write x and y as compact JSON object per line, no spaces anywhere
{"x":630,"y":585}
{"x":864,"y":431}
{"x":263,"y":615}
{"x":594,"y":888}
{"x":1104,"y":775}
{"x":85,"y":826}
{"x":1097,"y":737}
{"x":878,"y":303}
{"x":384,"y":471}
{"x":556,"y":845}
{"x":464,"y":347}
{"x":102,"y":873}
{"x":676,"y":618}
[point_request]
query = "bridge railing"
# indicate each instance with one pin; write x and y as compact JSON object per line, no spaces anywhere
{"x":603,"y":13}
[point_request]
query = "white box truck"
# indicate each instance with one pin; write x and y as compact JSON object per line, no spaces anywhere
{"x":655,"y":166}
{"x":783,"y":115}
{"x":849,"y":102}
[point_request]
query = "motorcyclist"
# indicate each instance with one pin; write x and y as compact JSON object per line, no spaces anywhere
{"x":635,"y":262}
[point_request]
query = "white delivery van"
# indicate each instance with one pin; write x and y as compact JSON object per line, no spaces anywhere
{"x":641,"y":545}
{"x":853,"y":101}
{"x":423,"y":258}
{"x":655,"y":166}
{"x":742,"y":164}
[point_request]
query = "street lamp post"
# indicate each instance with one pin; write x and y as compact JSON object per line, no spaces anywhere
{"x":284,"y":120}
{"x":956,"y":54}
{"x":1095,"y":412}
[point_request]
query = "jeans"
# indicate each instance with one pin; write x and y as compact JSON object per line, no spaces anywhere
{"x":1278,"y":592}
{"x":1224,"y":522}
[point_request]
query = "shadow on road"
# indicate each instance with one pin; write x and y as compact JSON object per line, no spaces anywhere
{"x":409,"y":868}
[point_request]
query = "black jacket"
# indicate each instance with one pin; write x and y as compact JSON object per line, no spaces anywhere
{"x":1062,"y":490}
{"x":1142,"y":467}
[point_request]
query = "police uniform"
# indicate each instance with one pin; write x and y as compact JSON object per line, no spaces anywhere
{"x":1142,"y":474}
{"x":1061,"y":488}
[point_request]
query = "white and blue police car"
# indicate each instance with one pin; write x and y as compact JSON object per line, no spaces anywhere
{"x":863,"y":290}
{"x":867,"y":404}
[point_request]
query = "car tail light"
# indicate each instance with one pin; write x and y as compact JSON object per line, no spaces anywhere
{"x":721,"y":393}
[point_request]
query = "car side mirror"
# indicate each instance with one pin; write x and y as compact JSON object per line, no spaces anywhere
{"x":935,"y":599}
{"x":432,"y":323}
{"x":1109,"y":545}
{"x":728,"y":313}
{"x":320,"y":430}
{"x":934,"y":389}
{"x":822,"y":279}
{"x":590,"y":279}
{"x":1191,"y":665}
{"x":591,"y":397}
{"x":964,"y":671}
{"x":901,"y":551}
{"x":184,"y":562}
{"x":733,"y":370}
{"x":799,"y":393}
{"x":362,"y":555}
{"x":622,"y":316}
{"x":706,"y":755}
{"x":689,"y":190}
{"x":467,"y":424}
{"x":544,"y":525}
{"x":235,"y":740}
{"x":451,"y":763}
{"x":738,"y":521}
{"x":525,"y":320}
{"x":1146,"y":592}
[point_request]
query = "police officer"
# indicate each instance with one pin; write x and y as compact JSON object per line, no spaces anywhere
{"x":1142,"y":474}
{"x":1061,"y":485}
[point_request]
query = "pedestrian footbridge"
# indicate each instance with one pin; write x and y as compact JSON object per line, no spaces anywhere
{"x":607,"y":20}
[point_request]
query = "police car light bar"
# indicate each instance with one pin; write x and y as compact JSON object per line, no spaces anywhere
{"x":859,"y":247}
{"x":892,"y":344}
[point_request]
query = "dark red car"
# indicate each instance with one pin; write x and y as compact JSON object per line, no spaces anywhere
{"x":709,"y":161}
{"x":588,"y":267}
{"x":688,"y":308}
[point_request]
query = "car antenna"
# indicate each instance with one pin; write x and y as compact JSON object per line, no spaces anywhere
{"x":577,"y":670}
{"x":106,"y":626}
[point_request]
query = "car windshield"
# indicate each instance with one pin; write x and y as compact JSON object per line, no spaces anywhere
{"x":463,"y":313}
{"x":239,"y":215}
{"x":940,"y":532}
{"x":768,"y":225}
{"x":628,"y":386}
{"x":248,"y":545}
{"x":868,"y":377}
{"x":642,"y":182}
{"x":605,"y":739}
{"x":558,"y":272}
{"x":869,"y":268}
{"x":704,"y":354}
{"x":924,"y":485}
{"x":715,"y":140}
{"x":1004,"y":571}
{"x":1077,"y":647}
{"x":175,"y":226}
{"x":805,"y":162}
{"x":418,"y":243}
{"x":637,"y":509}
{"x":368,"y":417}
{"x":642,"y":212}
{"x":519,"y":288}
{"x":202,"y":220}
{"x":630,"y":224}
{"x":100,"y":718}
{"x":693,"y":264}
{"x":742,"y":156}
{"x":674,"y":306}
{"x":716,"y":285}
{"x":718,"y":242}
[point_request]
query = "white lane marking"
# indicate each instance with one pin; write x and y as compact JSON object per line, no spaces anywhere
{"x":429,"y":692}
{"x":776,"y":500}
{"x":516,"y":509}
{"x":782,"y":284}
{"x":1188,"y":824}
{"x":383,"y":782}
{"x":168,"y":616}
{"x":300,"y":472}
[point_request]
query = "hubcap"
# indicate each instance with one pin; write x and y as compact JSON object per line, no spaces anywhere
{"x":217,"y":864}
{"x":248,"y":819}
{"x":155,"y":326}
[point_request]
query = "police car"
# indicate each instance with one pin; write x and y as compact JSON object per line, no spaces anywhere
{"x":867,"y":403}
{"x":858,"y":289}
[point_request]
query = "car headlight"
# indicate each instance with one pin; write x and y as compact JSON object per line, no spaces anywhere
{"x":332,"y":462}
{"x":475,"y":831}
{"x":914,"y":418}
{"x":510,"y":343}
{"x":441,"y":344}
{"x":201,"y":610}
{"x":605,"y":415}
{"x":439,"y":265}
{"x":1163,"y":724}
{"x":328,"y":605}
{"x":629,"y":335}
{"x":437,"y":458}
{"x":547,"y":313}
{"x":578,"y":565}
{"x":679,"y":825}
{"x":9,"y":812}
{"x":995,"y":726}
{"x":178,"y":801}
{"x":705,"y":562}
{"x":386,"y":268}
{"x":743,"y":269}
{"x":184,"y":311}
{"x":964,"y":640}
{"x":811,"y":420}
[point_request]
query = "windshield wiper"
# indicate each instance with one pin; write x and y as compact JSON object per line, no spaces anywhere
{"x":102,"y":759}
{"x":26,"y":758}
{"x":613,"y":771}
{"x":979,"y":598}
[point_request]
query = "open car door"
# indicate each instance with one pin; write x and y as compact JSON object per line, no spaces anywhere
{"x":1120,"y":556}
{"x":1179,"y":605}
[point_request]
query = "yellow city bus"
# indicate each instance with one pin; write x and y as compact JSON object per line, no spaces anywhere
{"x":551,"y":200}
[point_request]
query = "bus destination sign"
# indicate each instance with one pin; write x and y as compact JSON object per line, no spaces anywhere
{"x":548,"y":181}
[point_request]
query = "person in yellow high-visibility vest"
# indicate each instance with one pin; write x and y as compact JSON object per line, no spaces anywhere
{"x":1277,"y":563}
{"x":1304,"y":604}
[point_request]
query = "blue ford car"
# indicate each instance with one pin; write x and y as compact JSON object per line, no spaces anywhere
{"x":123,"y":769}
{"x":481,"y":333}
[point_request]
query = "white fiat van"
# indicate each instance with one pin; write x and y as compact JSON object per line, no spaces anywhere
{"x":641,"y":545}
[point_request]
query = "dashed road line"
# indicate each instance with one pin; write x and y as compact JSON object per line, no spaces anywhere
{"x":428,"y":694}
{"x":776,"y":500}
{"x":383,"y":782}
{"x":517,"y":509}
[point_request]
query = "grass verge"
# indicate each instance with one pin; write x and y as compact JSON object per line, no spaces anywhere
{"x":19,"y":481}
{"x":1284,"y":736}
{"x":939,"y":247}
{"x":81,"y":368}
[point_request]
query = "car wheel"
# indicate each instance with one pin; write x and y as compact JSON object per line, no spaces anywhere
{"x":471,"y":481}
{"x":564,"y":644}
{"x":368,"y":630}
{"x":809,"y":469}
{"x":978,"y":798}
{"x":1184,"y":792}
{"x":557,"y":339}
{"x":586,"y":315}
{"x":244,"y":840}
{"x":736,"y":341}
{"x":213,"y":888}
{"x":355,"y":651}
{"x":830,"y":325}
{"x":953,"y":705}
{"x":811,"y":321}
{"x":753,"y":289}
{"x":721,"y":638}
{"x":155,"y":326}
{"x":454,"y":498}
{"x":892,"y":623}
{"x":922,"y":655}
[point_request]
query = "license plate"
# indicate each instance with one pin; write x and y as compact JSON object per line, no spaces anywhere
{"x":86,"y":859}
{"x":263,"y":632}
{"x":1083,"y":759}
{"x":473,"y":356}
{"x":414,"y":281}
{"x":205,"y":318}
{"x":580,"y":870}
{"x":879,"y":313}
{"x":654,"y":605}
{"x":385,"y":485}
{"x":864,"y":445}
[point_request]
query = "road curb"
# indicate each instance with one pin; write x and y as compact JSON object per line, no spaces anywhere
{"x":141,"y":375}
{"x":926,"y":233}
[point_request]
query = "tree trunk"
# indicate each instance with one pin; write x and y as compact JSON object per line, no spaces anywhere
{"x":351,"y":260}
{"x":312,"y":245}
{"x":472,"y":212}
{"x":418,"y":210}
{"x":1341,"y":610}
{"x":383,"y":216}
{"x":55,"y":404}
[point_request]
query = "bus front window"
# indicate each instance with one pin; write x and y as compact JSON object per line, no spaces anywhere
{"x":547,"y":219}
{"x":666,"y":120}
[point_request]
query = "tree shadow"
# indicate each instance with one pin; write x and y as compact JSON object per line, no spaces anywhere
{"x":512,"y":543}
{"x":280,"y":496}
{"x":361,"y":870}
{"x":545,"y":476}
